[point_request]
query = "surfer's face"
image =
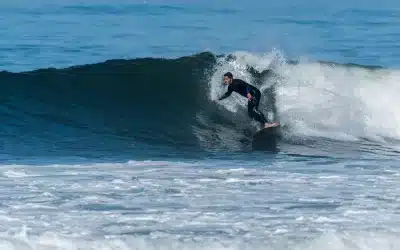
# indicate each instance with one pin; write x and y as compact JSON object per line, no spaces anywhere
{"x":227,"y":80}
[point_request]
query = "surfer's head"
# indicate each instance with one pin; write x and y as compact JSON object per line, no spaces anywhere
{"x":228,"y":77}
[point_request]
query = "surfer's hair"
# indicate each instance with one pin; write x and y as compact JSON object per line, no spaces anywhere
{"x":228,"y":74}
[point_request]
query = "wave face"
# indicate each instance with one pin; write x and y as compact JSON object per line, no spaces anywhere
{"x":122,"y":105}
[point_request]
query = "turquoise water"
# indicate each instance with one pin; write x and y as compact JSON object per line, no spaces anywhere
{"x":133,"y":153}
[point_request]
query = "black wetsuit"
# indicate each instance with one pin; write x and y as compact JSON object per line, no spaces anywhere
{"x":243,"y":88}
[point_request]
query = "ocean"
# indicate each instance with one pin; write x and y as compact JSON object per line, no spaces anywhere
{"x":110,"y":137}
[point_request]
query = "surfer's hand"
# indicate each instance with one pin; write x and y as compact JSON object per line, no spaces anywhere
{"x":249,"y":96}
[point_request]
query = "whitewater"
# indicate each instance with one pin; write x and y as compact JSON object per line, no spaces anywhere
{"x":335,"y":101}
{"x":278,"y":204}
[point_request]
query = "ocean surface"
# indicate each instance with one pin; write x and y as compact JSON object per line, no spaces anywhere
{"x":110,"y":137}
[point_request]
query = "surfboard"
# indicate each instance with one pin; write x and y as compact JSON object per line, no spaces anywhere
{"x":266,"y":138}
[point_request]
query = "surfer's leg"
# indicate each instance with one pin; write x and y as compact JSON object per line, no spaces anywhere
{"x":250,"y":107}
{"x":255,"y":113}
{"x":259,"y":115}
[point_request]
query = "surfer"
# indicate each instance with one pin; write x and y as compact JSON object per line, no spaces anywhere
{"x":253,"y":95}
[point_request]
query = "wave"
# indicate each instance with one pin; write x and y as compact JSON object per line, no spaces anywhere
{"x":119,"y":104}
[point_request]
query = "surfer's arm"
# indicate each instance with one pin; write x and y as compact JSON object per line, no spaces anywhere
{"x":227,"y":94}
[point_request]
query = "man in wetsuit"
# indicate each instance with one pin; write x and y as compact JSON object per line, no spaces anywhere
{"x":252,"y":93}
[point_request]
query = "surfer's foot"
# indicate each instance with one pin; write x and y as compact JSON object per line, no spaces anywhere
{"x":267,"y":125}
{"x":270,"y":124}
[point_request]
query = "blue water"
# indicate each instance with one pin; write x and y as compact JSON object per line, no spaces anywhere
{"x":135,"y":154}
{"x":65,"y":33}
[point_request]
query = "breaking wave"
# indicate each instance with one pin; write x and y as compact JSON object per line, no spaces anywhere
{"x":121,"y":105}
